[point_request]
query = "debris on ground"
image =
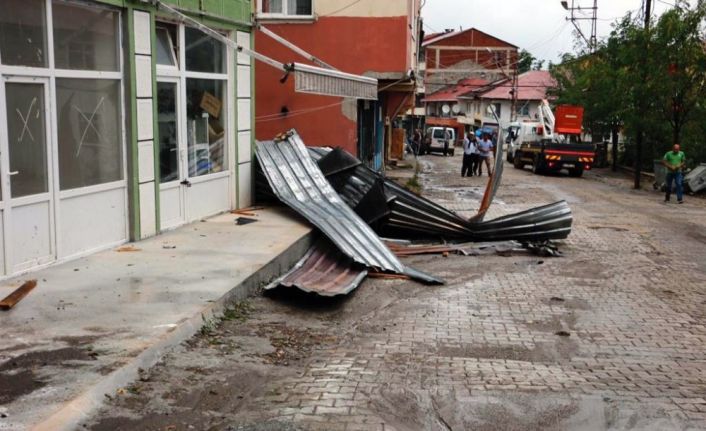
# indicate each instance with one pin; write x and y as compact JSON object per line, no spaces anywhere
{"x":297,"y":180}
{"x":501,"y":248}
{"x":16,"y":296}
{"x":352,"y":204}
{"x":244,"y":220}
{"x":323,"y":270}
{"x":127,"y":249}
{"x":696,"y":179}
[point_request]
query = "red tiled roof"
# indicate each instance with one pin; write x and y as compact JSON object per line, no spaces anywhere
{"x":531,"y":85}
{"x":451,"y":93}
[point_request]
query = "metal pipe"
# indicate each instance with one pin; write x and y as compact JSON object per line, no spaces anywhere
{"x":293,"y":47}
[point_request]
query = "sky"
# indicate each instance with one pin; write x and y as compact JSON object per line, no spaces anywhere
{"x":539,"y":26}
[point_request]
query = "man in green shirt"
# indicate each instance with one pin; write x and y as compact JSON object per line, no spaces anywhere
{"x":675,"y":161}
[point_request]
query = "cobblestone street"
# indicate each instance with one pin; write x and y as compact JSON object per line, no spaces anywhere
{"x":610,"y":336}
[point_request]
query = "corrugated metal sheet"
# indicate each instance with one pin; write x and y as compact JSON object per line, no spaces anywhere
{"x":324,"y":270}
{"x":405,"y":214}
{"x":297,"y":181}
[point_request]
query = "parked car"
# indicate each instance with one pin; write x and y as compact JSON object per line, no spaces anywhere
{"x":439,"y":140}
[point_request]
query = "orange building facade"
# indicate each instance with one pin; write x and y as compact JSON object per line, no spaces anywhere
{"x":368,"y":37}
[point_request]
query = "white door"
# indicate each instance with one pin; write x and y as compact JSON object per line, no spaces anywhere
{"x":193,"y":115}
{"x":194,"y":176}
{"x":171,"y":155}
{"x":27,"y":198}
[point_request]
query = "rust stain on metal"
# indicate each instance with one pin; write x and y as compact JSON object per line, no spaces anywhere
{"x":324,"y":270}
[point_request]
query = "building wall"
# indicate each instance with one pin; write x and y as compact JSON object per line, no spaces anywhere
{"x":369,"y":37}
{"x":478,"y":111}
{"x":100,"y":162}
{"x":466,"y":55}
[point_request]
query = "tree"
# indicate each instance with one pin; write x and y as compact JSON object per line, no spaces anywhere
{"x":525,"y":61}
{"x":660,"y":91}
{"x":678,"y":67}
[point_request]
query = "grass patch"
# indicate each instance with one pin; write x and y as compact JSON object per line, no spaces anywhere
{"x":239,"y":311}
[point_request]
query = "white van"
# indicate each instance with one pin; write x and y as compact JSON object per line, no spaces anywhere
{"x":439,"y":139}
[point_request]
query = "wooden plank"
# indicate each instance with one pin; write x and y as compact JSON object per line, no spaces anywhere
{"x":12,"y":299}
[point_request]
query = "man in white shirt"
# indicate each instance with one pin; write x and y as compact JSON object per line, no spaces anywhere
{"x":470,"y":152}
{"x":485,"y":147}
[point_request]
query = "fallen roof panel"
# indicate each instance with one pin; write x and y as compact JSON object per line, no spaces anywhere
{"x":297,"y":181}
{"x":323,"y":270}
{"x":410,"y":215}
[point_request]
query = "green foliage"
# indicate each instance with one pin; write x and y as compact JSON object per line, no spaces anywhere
{"x":654,"y":79}
{"x":527,"y":62}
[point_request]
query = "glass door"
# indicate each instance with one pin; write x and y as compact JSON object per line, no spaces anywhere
{"x":171,"y":156}
{"x":28,"y":212}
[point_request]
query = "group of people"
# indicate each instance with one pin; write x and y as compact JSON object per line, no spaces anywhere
{"x":477,"y":151}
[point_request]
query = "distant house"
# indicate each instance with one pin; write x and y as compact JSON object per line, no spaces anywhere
{"x":532,"y":87}
{"x":455,"y":55}
{"x":443,"y":108}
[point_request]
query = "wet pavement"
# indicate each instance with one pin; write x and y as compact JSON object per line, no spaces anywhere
{"x":610,"y":336}
{"x":91,"y":323}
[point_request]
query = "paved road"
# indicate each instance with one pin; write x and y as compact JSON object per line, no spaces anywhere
{"x":610,"y":336}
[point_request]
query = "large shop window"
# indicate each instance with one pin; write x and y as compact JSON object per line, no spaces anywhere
{"x":205,"y":132}
{"x":85,"y":37}
{"x":23,"y":33}
{"x":88,"y":132}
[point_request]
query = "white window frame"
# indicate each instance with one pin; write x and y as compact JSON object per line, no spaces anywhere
{"x":181,"y":75}
{"x":284,"y":15}
{"x":52,"y":74}
{"x":174,"y":56}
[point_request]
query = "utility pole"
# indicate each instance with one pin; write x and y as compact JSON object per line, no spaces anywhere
{"x":641,"y":101}
{"x":592,"y":40}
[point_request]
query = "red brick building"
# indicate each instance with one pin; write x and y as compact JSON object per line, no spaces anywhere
{"x":456,"y":55}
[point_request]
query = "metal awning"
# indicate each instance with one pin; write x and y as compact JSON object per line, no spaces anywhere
{"x":308,"y":79}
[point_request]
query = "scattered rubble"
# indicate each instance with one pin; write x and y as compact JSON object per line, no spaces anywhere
{"x":16,"y":296}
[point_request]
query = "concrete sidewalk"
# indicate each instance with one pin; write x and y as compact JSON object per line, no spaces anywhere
{"x":91,"y":324}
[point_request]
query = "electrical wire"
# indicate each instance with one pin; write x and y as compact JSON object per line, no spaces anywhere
{"x":340,"y":9}
{"x":280,"y":116}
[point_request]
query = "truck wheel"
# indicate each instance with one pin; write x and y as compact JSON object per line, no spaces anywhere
{"x":537,"y":166}
{"x":517,"y":162}
{"x":575,"y":172}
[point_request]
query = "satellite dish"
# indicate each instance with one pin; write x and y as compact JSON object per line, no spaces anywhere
{"x":446,"y":109}
{"x":456,"y":109}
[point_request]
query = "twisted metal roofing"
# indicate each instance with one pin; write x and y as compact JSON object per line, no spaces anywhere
{"x":298,"y":181}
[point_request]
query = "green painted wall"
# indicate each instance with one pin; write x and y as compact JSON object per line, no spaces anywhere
{"x":237,"y":10}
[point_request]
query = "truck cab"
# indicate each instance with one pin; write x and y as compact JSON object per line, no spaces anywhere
{"x":518,"y":133}
{"x":440,"y":140}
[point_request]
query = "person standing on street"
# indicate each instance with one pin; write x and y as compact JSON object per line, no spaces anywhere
{"x":469,"y":152}
{"x":675,"y":161}
{"x":485,"y":147}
